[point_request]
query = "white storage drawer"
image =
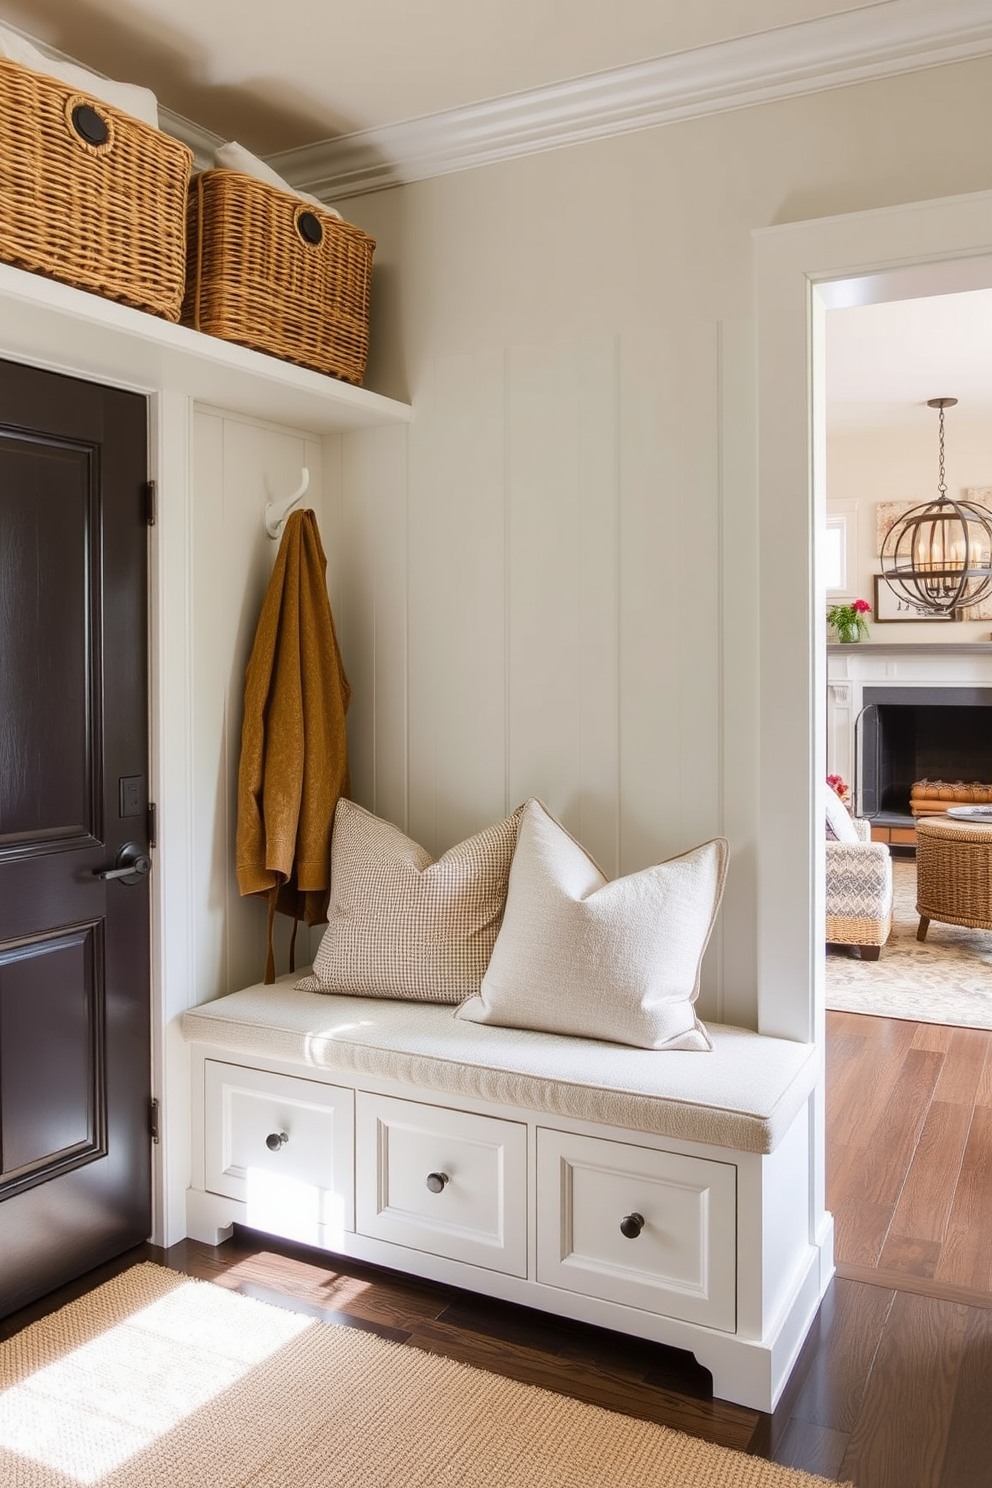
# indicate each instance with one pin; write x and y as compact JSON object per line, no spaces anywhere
{"x":284,"y":1147}
{"x":444,"y":1181}
{"x":654,"y":1230}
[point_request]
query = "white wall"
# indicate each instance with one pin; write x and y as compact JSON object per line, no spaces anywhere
{"x":899,"y":463}
{"x":569,"y":582}
{"x":238,"y":466}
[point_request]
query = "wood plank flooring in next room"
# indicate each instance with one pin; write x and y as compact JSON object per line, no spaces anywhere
{"x":909,"y":1154}
{"x":892,"y":1388}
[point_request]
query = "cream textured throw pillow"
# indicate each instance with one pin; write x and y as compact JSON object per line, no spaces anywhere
{"x":840,"y":826}
{"x":400,"y":924}
{"x":578,"y":954}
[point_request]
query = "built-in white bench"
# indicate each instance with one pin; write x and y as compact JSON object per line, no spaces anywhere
{"x":661,"y":1194}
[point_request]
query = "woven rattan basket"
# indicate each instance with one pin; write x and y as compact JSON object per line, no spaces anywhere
{"x":270,"y":271}
{"x":954,"y":871}
{"x":90,"y":195}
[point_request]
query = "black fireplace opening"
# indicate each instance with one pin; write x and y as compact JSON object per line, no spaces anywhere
{"x":906,"y":734}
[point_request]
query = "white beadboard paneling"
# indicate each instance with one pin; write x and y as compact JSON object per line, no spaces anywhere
{"x":210,"y":866}
{"x":671,"y":571}
{"x":740,"y":772}
{"x":372,"y":616}
{"x":562,"y":585}
{"x":654,"y":629}
{"x":458,"y":760}
{"x":599,"y":618}
{"x":239,"y":466}
{"x":330,"y":515}
{"x":699,"y":598}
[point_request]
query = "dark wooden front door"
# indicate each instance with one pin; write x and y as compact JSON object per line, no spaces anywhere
{"x":75,"y":1077}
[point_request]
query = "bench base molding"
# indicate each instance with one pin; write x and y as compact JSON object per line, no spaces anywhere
{"x":521,"y":1205}
{"x":749,"y":1372}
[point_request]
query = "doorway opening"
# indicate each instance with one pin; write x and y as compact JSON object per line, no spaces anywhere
{"x":921,"y":711}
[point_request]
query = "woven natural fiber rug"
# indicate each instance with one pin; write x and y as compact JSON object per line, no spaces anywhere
{"x":156,"y":1381}
{"x":946,"y":978}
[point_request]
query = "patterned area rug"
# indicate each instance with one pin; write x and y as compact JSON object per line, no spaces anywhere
{"x":157,"y":1381}
{"x":945,"y":979}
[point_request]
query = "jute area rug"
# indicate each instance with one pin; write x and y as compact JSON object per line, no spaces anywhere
{"x":945,"y":979}
{"x":157,"y":1381}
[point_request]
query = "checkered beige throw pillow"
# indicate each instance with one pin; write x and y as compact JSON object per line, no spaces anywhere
{"x":400,"y":924}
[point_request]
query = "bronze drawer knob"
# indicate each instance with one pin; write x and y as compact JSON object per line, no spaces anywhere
{"x":275,"y":1140}
{"x":436,"y":1181}
{"x":631,"y":1225}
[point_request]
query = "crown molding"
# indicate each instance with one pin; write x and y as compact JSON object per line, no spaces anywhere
{"x":880,"y":40}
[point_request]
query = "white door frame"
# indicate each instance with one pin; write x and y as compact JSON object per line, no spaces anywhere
{"x":918,"y":244}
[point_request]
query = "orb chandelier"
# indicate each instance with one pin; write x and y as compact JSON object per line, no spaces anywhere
{"x":938,"y":556}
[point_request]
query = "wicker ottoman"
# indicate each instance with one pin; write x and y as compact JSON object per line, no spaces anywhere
{"x":953,"y":872}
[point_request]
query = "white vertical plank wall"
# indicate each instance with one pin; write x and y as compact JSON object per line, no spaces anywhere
{"x":239,"y":466}
{"x":521,"y":608}
{"x":522,"y":604}
{"x":370,"y":610}
{"x":458,"y":603}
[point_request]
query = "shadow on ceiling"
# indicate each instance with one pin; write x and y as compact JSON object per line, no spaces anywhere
{"x":265,"y":114}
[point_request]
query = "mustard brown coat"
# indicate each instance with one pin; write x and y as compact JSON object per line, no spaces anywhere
{"x":294,"y":747}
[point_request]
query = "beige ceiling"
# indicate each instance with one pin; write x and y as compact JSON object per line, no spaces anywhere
{"x":290,"y":73}
{"x":287,"y":73}
{"x":883,"y":362}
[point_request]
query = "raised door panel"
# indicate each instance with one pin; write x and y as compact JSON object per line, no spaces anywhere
{"x":75,"y":1166}
{"x":53,"y":1100}
{"x":443,"y":1181}
{"x":282,"y":1146}
{"x":48,"y":789}
{"x":653,"y":1230}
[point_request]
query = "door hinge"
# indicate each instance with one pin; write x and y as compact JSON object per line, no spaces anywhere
{"x":153,"y":1119}
{"x":151,"y":503}
{"x":152,"y":825}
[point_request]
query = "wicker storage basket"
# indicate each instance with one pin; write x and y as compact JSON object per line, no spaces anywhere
{"x":270,"y":271}
{"x":954,"y":872}
{"x":90,"y":195}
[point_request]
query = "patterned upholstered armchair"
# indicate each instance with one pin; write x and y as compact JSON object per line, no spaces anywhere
{"x":859,"y":891}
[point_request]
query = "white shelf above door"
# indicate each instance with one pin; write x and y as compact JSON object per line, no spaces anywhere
{"x":53,"y":325}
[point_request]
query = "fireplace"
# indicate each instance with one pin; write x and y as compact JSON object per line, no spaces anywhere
{"x":905,"y":734}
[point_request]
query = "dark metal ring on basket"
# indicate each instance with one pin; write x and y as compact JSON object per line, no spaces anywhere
{"x":90,"y":128}
{"x":309,"y":228}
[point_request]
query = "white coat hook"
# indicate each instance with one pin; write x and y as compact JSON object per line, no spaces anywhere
{"x":276,"y":512}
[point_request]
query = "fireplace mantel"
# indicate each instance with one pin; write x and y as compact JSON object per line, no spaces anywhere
{"x":874,"y":664}
{"x":912,"y":648}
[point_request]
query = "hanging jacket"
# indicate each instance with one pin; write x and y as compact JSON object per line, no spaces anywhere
{"x":294,"y":748}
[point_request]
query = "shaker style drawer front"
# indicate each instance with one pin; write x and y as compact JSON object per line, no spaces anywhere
{"x":653,"y":1230}
{"x":444,"y":1181}
{"x":284,"y":1147}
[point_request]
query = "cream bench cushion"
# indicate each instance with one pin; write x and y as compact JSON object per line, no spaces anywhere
{"x":742,"y":1095}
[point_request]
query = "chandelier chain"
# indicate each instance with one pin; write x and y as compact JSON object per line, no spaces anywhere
{"x":941,"y":483}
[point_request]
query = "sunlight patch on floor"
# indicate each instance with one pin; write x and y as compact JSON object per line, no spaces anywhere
{"x":111,"y":1398}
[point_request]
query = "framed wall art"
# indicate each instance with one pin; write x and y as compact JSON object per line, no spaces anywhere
{"x":890,"y":608}
{"x":981,"y":496}
{"x":887,"y":512}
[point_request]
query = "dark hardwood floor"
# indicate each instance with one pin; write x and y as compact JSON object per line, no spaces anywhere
{"x":894,"y":1385}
